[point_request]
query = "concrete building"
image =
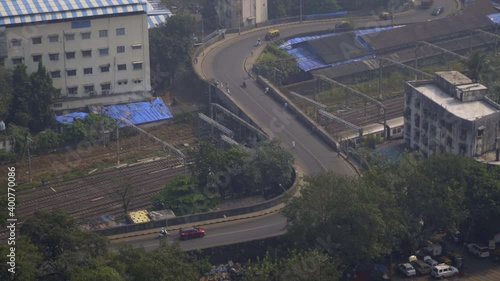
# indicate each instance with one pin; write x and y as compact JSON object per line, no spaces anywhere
{"x":96,"y":51}
{"x":450,"y":113}
{"x":240,"y":13}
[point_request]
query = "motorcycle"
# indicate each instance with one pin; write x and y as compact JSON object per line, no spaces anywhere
{"x":244,"y":85}
{"x":162,"y":235}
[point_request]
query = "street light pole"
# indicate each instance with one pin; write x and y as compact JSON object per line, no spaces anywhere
{"x":301,"y":11}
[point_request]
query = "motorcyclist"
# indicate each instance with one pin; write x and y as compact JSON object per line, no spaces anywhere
{"x":244,"y":82}
{"x":163,"y":232}
{"x":258,"y":41}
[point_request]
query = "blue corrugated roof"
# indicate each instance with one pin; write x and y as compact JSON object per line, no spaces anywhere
{"x":71,"y":117}
{"x":139,"y":112}
{"x":495,"y":18}
{"x":29,"y":11}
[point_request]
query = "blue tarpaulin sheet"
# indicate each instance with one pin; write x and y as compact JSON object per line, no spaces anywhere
{"x":71,"y":117}
{"x":139,"y":112}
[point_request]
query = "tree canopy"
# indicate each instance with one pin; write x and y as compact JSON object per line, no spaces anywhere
{"x":171,"y":44}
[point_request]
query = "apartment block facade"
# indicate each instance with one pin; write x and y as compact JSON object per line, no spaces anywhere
{"x":95,"y":51}
{"x":240,"y":13}
{"x":450,"y":114}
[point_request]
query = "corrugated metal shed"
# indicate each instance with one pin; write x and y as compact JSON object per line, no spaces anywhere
{"x":426,"y":31}
{"x":139,"y":112}
{"x":31,"y":11}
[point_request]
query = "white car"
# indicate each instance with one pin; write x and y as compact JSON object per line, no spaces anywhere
{"x":430,"y":261}
{"x":479,"y":250}
{"x":407,"y":269}
{"x":443,"y":270}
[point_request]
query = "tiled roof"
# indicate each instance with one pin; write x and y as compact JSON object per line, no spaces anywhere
{"x":31,"y":11}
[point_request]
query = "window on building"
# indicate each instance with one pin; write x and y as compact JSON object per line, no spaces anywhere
{"x":16,"y":42}
{"x":449,"y":142}
{"x":37,"y":58}
{"x":72,"y":90}
{"x":17,"y":61}
{"x":87,"y":70}
{"x":136,"y":46}
{"x":54,"y":56}
{"x":122,"y":82}
{"x":104,"y":68}
{"x":103,"y":33}
{"x":86,"y":53}
{"x":122,"y":67}
{"x":70,"y":55}
{"x":71,"y":72}
{"x":54,"y":38}
{"x":462,"y":149}
{"x":36,"y":40}
{"x":120,"y":31}
{"x":106,"y":86}
{"x":137,"y":65}
{"x":69,"y":36}
{"x":104,"y":51}
{"x":137,"y":81}
{"x":85,"y":35}
{"x":55,"y":74}
{"x":480,"y":131}
{"x":120,"y":49}
{"x":88,"y":88}
{"x":463,"y":134}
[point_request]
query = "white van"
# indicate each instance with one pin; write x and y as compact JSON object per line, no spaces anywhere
{"x":479,"y":250}
{"x":443,"y":270}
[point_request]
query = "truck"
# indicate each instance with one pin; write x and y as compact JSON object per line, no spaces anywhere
{"x":426,"y":4}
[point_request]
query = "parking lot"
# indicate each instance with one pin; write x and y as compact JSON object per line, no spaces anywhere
{"x":476,"y":270}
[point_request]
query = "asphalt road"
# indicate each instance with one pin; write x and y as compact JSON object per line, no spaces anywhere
{"x":226,"y":64}
{"x":218,"y":234}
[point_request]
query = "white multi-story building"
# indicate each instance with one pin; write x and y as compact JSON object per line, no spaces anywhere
{"x":241,"y":13}
{"x":452,"y":114}
{"x":97,"y":51}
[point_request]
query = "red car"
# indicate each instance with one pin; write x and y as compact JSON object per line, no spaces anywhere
{"x":191,"y":232}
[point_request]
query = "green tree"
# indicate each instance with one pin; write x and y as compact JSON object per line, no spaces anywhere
{"x":20,"y":113}
{"x":347,"y":217}
{"x":183,"y":196}
{"x":166,"y":263}
{"x":55,"y":233}
{"x":298,"y":265}
{"x":274,"y":163}
{"x":5,"y":93}
{"x":477,"y":66}
{"x":27,"y":260}
{"x":277,"y":65}
{"x":320,"y":6}
{"x":96,"y":269}
{"x":171,"y":44}
{"x":42,"y":94}
{"x":277,"y":9}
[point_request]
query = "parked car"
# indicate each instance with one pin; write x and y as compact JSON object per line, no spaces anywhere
{"x":421,"y":267}
{"x":191,"y":232}
{"x":437,"y":11}
{"x":443,"y":271}
{"x":407,"y":269}
{"x":479,"y":250}
{"x":430,"y":261}
{"x":385,"y":16}
{"x":343,"y":25}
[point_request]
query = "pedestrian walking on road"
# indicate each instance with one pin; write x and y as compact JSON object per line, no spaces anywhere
{"x":227,"y":84}
{"x":285,"y":106}
{"x":293,"y":144}
{"x":228,"y":91}
{"x":266,"y":90}
{"x":196,"y":59}
{"x":251,"y":53}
